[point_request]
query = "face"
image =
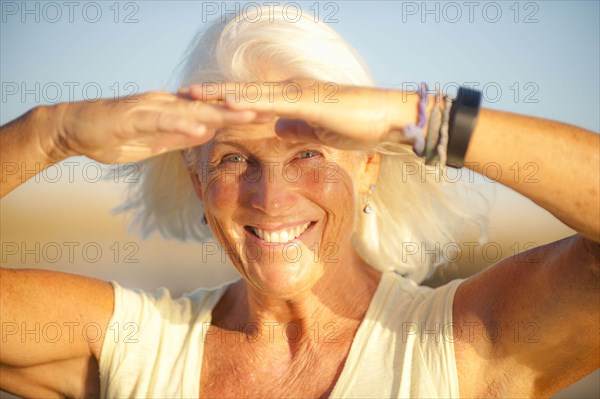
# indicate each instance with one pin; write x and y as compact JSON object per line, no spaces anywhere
{"x":282,"y":210}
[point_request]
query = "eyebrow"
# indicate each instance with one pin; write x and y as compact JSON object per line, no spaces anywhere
{"x":241,"y":147}
{"x":227,"y":142}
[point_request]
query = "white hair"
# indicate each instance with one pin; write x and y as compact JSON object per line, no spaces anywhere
{"x":409,"y":210}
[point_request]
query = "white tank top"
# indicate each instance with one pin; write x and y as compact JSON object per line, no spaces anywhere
{"x":403,"y":348}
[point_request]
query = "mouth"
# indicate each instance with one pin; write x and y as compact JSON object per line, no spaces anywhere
{"x":279,"y":236}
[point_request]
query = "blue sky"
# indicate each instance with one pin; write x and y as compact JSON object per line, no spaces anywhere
{"x":538,"y":58}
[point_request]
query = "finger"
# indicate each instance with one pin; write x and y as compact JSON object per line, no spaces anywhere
{"x":192,"y":117}
{"x":215,"y":115}
{"x":287,"y":103}
{"x":261,"y":97}
{"x":286,"y":99}
{"x":212,"y":94}
{"x":296,"y":130}
{"x":225,"y":116}
{"x":264,"y":117}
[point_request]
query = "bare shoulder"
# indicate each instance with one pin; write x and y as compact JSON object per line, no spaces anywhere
{"x":523,"y":320}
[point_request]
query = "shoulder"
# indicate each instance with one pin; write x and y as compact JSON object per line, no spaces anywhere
{"x":416,"y":299}
{"x":153,"y":338}
{"x":416,"y":312}
{"x":517,"y":317}
{"x":415,"y":323}
{"x":136,"y":304}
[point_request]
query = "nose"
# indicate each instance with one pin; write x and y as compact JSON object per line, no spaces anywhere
{"x":271,"y":192}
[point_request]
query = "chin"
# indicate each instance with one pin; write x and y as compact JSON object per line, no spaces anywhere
{"x":281,"y":259}
{"x":283,"y":279}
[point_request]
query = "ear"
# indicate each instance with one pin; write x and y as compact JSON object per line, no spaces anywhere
{"x":369,"y":171}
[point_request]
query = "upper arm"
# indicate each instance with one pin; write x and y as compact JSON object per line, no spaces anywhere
{"x":51,"y":321}
{"x":533,"y":321}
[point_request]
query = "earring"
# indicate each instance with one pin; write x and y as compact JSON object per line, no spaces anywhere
{"x":367,"y":209}
{"x":204,"y":221}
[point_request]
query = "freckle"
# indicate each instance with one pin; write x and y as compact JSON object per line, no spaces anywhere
{"x":577,"y":204}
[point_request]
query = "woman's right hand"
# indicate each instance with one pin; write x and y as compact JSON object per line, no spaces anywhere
{"x":109,"y":131}
{"x":135,"y":128}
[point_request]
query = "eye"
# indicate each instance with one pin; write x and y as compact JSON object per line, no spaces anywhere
{"x":308,"y":154}
{"x":234,"y":158}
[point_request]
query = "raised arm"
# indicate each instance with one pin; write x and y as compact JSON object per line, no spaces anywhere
{"x":543,"y":302}
{"x":554,"y":164}
{"x":108,"y":131}
{"x":54,"y":324}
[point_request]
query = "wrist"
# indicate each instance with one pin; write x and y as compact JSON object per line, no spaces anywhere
{"x":403,"y":109}
{"x":51,"y":132}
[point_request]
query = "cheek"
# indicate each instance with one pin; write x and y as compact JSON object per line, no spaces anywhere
{"x":221,"y":190}
{"x":220,"y":203}
{"x":334,"y":193}
{"x":221,"y":197}
{"x":220,"y":200}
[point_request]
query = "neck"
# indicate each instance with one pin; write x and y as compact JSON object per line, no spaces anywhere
{"x":334,"y":306}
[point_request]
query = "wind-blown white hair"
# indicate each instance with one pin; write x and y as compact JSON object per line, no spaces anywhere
{"x":410,"y":211}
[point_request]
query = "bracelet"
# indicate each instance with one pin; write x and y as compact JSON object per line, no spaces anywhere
{"x":463,"y":116}
{"x":422,"y":117}
{"x":415,"y":132}
{"x":433,"y":134}
{"x":442,"y":148}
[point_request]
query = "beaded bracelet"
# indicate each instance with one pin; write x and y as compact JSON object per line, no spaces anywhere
{"x":433,"y":135}
{"x":416,"y":131}
{"x":442,"y":147}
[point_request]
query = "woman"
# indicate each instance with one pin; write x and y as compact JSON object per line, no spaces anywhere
{"x":294,"y":187}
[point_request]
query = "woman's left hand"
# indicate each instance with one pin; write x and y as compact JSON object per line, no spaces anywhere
{"x":345,"y":117}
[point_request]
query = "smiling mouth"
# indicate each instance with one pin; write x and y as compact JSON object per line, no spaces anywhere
{"x":279,"y":236}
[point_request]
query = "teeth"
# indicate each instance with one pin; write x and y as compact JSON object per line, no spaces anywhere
{"x":280,"y":236}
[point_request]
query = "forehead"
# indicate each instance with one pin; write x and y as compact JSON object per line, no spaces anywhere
{"x":247,"y":133}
